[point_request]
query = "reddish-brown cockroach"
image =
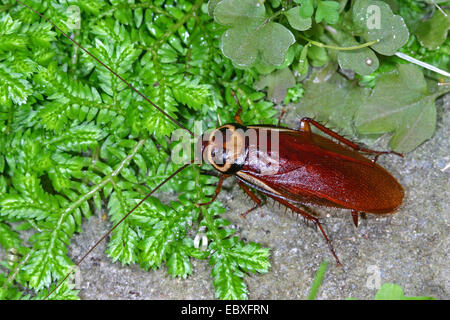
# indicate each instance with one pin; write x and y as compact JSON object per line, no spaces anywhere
{"x":310,"y":168}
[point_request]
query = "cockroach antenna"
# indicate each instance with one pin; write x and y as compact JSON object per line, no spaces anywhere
{"x":362,"y":185}
{"x":146,"y":99}
{"x":115,"y":226}
{"x":108,"y":68}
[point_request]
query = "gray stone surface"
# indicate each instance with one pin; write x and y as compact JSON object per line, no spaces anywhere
{"x":409,"y":248}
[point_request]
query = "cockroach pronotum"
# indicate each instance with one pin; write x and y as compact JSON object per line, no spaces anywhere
{"x":291,"y":166}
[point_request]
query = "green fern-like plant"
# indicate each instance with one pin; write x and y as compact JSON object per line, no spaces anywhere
{"x":76,"y":139}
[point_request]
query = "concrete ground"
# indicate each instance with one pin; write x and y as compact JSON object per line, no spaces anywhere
{"x":409,"y":248}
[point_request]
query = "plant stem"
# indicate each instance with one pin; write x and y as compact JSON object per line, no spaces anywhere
{"x":176,"y":26}
{"x":92,"y":192}
{"x":274,"y":15}
{"x":322,"y":45}
{"x":77,"y":203}
{"x":16,"y":270}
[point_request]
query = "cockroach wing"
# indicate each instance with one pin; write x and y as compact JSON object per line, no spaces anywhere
{"x":316,"y":170}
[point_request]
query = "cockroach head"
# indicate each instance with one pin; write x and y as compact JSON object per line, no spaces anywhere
{"x":224,"y":148}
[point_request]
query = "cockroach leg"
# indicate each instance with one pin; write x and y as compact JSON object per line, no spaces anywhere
{"x":283,"y":112}
{"x":218,"y":188}
{"x":379,"y":153}
{"x":252,"y":196}
{"x":305,"y":127}
{"x":237,"y":116}
{"x":312,"y":219}
{"x":355,"y":215}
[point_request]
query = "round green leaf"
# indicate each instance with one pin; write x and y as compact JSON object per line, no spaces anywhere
{"x":328,"y":11}
{"x":400,"y":103}
{"x":238,"y":44}
{"x":433,"y":32}
{"x":212,"y":6}
{"x":306,"y":8}
{"x":236,"y":12}
{"x":362,"y":61}
{"x":278,"y":83}
{"x":377,"y":22}
{"x":274,"y":41}
{"x":251,"y":34}
{"x":297,"y":21}
{"x":242,"y":44}
{"x":317,"y":56}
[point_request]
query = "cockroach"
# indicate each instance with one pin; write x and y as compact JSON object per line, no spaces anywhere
{"x":310,"y":169}
{"x":291,"y":166}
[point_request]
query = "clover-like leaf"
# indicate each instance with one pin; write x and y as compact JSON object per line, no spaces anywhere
{"x":274,"y":42}
{"x":376,"y":22}
{"x":318,"y":56}
{"x":297,"y":21}
{"x":362,"y":61}
{"x":237,"y":12}
{"x":400,"y":103}
{"x":264,"y":68}
{"x":328,"y":11}
{"x":212,"y":6}
{"x":278,"y":82}
{"x":334,"y":101}
{"x":239,"y":45}
{"x":306,"y":8}
{"x":433,"y":32}
{"x":251,"y":34}
{"x":242,"y":44}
